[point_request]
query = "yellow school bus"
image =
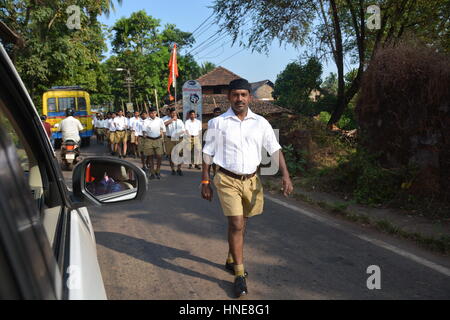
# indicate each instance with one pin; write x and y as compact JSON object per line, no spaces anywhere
{"x":58,"y":99}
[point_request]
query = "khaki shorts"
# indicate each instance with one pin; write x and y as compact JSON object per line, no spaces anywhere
{"x":153,"y":147}
{"x":240,"y":198}
{"x":140,"y":144}
{"x":170,"y":145}
{"x":112,"y":137}
{"x":133,"y":139}
{"x":100,"y":131}
{"x":120,"y":137}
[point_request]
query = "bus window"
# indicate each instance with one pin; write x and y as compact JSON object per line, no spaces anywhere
{"x":51,"y":104}
{"x":66,"y":103}
{"x":82,"y":104}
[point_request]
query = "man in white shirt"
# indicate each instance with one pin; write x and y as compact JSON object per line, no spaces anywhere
{"x":175,"y":131}
{"x":139,"y":134}
{"x":112,"y":133}
{"x":234,"y":142}
{"x":193,"y":128}
{"x":98,"y":125}
{"x":121,"y":124}
{"x":132,"y":123}
{"x":153,"y":129}
{"x":70,"y":127}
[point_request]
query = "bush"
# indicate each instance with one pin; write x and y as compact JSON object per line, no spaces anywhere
{"x":370,"y":183}
{"x":295,"y":161}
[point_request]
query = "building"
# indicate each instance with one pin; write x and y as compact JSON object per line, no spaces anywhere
{"x":263,"y":90}
{"x":215,"y":89}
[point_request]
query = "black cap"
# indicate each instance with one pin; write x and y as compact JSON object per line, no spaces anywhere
{"x":240,"y":84}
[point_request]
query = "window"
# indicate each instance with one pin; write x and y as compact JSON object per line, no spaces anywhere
{"x":51,"y":104}
{"x":22,"y":154}
{"x":66,"y":103}
{"x":82,"y":104}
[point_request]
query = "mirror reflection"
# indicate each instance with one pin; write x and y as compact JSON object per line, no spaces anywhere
{"x":110,"y":182}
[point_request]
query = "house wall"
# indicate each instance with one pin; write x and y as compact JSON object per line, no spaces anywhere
{"x":264,"y":93}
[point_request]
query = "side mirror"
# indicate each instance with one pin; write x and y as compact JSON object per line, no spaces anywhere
{"x":103,"y":180}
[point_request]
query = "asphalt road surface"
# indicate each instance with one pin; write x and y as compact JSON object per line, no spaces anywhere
{"x":173,"y":245}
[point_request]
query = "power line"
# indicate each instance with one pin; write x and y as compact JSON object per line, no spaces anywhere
{"x":193,"y":32}
{"x":201,"y":48}
{"x":201,"y":44}
{"x":206,"y":46}
{"x":231,"y":56}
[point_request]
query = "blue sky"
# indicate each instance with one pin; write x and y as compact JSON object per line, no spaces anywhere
{"x":188,"y":15}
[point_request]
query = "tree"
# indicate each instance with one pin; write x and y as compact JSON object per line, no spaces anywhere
{"x":52,"y":53}
{"x":206,"y":67}
{"x":141,"y":46}
{"x":294,"y":85}
{"x":335,"y":29}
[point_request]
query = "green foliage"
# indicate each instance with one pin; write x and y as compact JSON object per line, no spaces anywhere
{"x":369,"y":182}
{"x":143,"y":47}
{"x":295,"y":162}
{"x":294,"y":85}
{"x":53,"y":53}
{"x":206,"y":67}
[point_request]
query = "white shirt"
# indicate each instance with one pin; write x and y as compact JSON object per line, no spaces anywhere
{"x":175,"y":130}
{"x":133,"y":122}
{"x":120,"y":123}
{"x":138,"y":128}
{"x":152,"y":127}
{"x":237,"y":145}
{"x":193,"y":128}
{"x":166,"y":118}
{"x":103,"y":124}
{"x":70,"y":128}
{"x":111,"y":127}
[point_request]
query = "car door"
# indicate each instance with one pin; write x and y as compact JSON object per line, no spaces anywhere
{"x":54,"y":240}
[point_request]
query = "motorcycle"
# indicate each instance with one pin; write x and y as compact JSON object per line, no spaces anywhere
{"x":70,"y":154}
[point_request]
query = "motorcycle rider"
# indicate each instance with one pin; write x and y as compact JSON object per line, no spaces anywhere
{"x":71,"y":127}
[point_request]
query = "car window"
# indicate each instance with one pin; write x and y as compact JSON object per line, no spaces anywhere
{"x":24,"y":156}
{"x":33,"y":171}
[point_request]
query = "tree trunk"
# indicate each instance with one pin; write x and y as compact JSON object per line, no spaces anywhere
{"x":339,"y":59}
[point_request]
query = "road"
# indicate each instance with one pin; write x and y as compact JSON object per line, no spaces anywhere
{"x":172,"y":245}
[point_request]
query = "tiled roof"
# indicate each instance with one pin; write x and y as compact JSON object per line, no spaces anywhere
{"x":218,"y":77}
{"x":210,"y":102}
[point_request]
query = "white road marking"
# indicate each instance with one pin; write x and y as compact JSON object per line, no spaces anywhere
{"x":379,"y":243}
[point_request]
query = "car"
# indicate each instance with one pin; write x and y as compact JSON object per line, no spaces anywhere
{"x":47,"y":242}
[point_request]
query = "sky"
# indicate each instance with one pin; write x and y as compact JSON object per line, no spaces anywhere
{"x":188,"y":15}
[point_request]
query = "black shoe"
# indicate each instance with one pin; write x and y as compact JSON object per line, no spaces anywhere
{"x":124,"y":157}
{"x":230,"y":268}
{"x":174,"y":173}
{"x":198,"y":167}
{"x":158,"y":176}
{"x":190,"y":166}
{"x":240,"y":287}
{"x":180,"y":173}
{"x":152,"y":177}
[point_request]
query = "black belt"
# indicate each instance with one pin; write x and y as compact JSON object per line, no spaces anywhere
{"x":120,"y":130}
{"x":168,"y":137}
{"x":237,"y":176}
{"x":154,"y":138}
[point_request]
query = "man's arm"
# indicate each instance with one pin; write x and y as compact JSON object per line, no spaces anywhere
{"x":286,"y":182}
{"x":207,"y":192}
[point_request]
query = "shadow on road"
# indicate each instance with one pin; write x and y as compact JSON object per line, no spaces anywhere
{"x":158,"y":255}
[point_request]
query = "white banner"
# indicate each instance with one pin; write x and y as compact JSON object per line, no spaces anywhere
{"x":192,"y":99}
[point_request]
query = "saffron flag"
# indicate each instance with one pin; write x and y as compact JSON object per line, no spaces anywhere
{"x":173,"y":71}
